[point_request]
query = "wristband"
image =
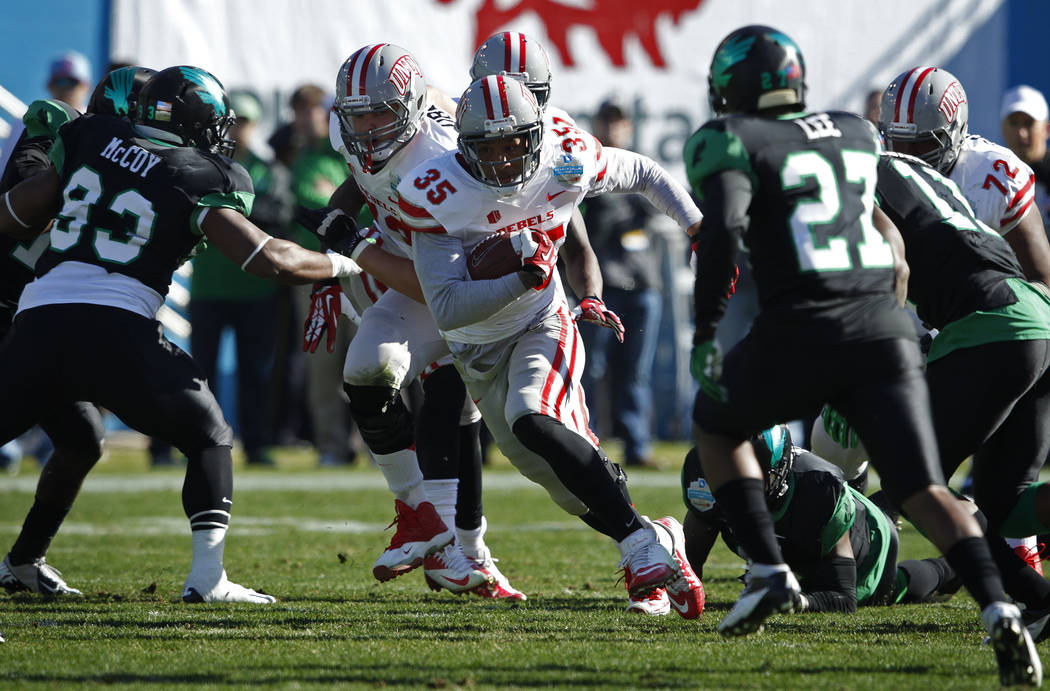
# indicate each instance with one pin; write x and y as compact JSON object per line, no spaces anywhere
{"x":364,"y":244}
{"x":342,"y":266}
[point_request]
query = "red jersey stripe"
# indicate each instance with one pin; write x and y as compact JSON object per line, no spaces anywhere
{"x":1021,"y":193}
{"x":1010,"y":219}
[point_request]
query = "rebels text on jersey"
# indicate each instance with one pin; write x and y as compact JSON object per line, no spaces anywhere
{"x":436,"y":135}
{"x":132,"y":205}
{"x":440,"y":196}
{"x":958,"y":264}
{"x":999,"y":186}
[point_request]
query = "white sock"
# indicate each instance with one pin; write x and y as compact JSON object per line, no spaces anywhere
{"x":473,"y":541}
{"x":208,"y":548}
{"x":403,"y":477}
{"x":636,"y":539}
{"x":1015,"y":542}
{"x":442,"y":494}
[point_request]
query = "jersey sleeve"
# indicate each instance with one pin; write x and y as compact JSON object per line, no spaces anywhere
{"x":1020,"y":196}
{"x":626,"y":171}
{"x":711,"y":150}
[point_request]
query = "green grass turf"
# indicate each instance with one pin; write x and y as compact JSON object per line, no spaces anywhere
{"x":309,"y":537}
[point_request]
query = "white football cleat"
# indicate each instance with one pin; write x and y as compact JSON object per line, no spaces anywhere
{"x":224,"y":590}
{"x":1014,"y":650}
{"x":655,"y":603}
{"x":763,"y":596}
{"x":37,"y":576}
{"x":498,"y":587}
{"x":646,"y":564}
{"x":450,"y":569}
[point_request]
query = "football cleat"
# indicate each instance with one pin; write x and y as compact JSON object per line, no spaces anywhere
{"x":646,"y":564}
{"x":685,"y":591}
{"x":419,"y":532}
{"x":498,"y":587}
{"x":450,"y":569}
{"x":224,"y":590}
{"x":654,"y":604}
{"x":1014,"y":650}
{"x":1032,"y":555}
{"x":37,"y":576}
{"x":763,"y":596}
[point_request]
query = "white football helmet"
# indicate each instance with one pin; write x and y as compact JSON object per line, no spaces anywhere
{"x":515,"y":55}
{"x":376,"y":79}
{"x":494,"y":109}
{"x":925,"y":105}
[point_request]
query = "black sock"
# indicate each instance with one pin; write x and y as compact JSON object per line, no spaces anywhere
{"x":596,"y":523}
{"x":59,"y":483}
{"x":971,"y":559}
{"x":928,"y":576}
{"x":437,"y":424}
{"x":582,"y":469}
{"x":1020,"y":580}
{"x":744,"y":502}
{"x":207,"y":492}
{"x":468,"y":498}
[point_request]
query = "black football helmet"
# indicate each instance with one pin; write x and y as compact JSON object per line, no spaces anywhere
{"x":118,"y":90}
{"x":754,"y":68}
{"x":189,"y":103}
{"x":774,"y":452}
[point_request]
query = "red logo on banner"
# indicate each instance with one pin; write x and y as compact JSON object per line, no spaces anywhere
{"x":612,"y":20}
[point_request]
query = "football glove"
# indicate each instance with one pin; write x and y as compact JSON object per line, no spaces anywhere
{"x":706,"y":368}
{"x":592,"y":309}
{"x":335,"y":228}
{"x":539,"y":255}
{"x":323,"y":317}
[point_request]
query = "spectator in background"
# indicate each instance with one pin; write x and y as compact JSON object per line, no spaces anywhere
{"x":69,"y":79}
{"x":872,"y":103}
{"x":1025,"y":130}
{"x":616,"y":226}
{"x":316,"y":173}
{"x":221,"y":295}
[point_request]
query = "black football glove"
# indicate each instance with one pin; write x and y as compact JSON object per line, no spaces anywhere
{"x":336,"y":229}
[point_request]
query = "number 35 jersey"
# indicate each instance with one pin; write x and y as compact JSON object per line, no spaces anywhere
{"x":814,"y":250}
{"x":130,"y":216}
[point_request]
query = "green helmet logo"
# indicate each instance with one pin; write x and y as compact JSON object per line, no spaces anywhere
{"x":728,"y":55}
{"x":211,"y":92}
{"x":119,"y":89}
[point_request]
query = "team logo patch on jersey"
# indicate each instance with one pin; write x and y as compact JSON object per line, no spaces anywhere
{"x":700,"y":495}
{"x":395,"y":180}
{"x":568,"y":170}
{"x":493,"y":216}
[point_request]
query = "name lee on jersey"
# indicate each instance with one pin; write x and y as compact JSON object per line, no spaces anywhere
{"x":134,"y":158}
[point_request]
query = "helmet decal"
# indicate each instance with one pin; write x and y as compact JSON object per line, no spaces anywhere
{"x":119,"y":89}
{"x":212,"y":92}
{"x":727,"y":56}
{"x":953,"y":97}
{"x":402,"y":71}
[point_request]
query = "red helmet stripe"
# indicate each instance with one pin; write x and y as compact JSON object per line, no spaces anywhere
{"x":915,"y":92}
{"x":503,"y":104}
{"x":900,"y":95}
{"x":521,"y":52}
{"x":350,"y":72}
{"x":506,"y":52}
{"x":364,"y":67}
{"x":488,"y":98}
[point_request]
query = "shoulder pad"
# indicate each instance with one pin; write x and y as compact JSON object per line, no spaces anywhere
{"x":713,"y":149}
{"x":44,"y":117}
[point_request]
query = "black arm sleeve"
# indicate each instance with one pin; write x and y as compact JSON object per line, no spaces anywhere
{"x":28,"y":158}
{"x":834,"y":586}
{"x":727,"y":197}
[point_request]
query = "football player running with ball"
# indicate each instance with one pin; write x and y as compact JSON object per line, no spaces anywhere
{"x":798,"y":189}
{"x":132,"y":200}
{"x":513,"y":338}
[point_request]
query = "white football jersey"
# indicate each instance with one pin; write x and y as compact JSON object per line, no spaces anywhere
{"x":998,"y":184}
{"x":441,"y":196}
{"x":437,"y":135}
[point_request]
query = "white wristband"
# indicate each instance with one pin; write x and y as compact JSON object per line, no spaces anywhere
{"x":342,"y":266}
{"x":256,"y":251}
{"x":364,"y":244}
{"x":7,"y":200}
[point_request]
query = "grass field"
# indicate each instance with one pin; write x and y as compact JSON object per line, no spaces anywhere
{"x":309,"y":537}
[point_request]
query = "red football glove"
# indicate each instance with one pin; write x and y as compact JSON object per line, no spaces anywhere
{"x":323,"y":317}
{"x":592,"y":309}
{"x":538,"y":254}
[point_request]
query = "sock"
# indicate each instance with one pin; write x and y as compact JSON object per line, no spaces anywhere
{"x":41,"y":525}
{"x":442,"y":494}
{"x":1015,"y":542}
{"x":207,"y":491}
{"x":469,"y":511}
{"x":59,"y":483}
{"x":1020,"y":580}
{"x":208,"y":547}
{"x":972,"y":561}
{"x":403,"y":476}
{"x":924,"y":577}
{"x":473,"y":540}
{"x":744,"y":501}
{"x":596,"y":523}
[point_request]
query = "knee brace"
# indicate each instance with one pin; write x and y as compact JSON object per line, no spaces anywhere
{"x":383,"y":419}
